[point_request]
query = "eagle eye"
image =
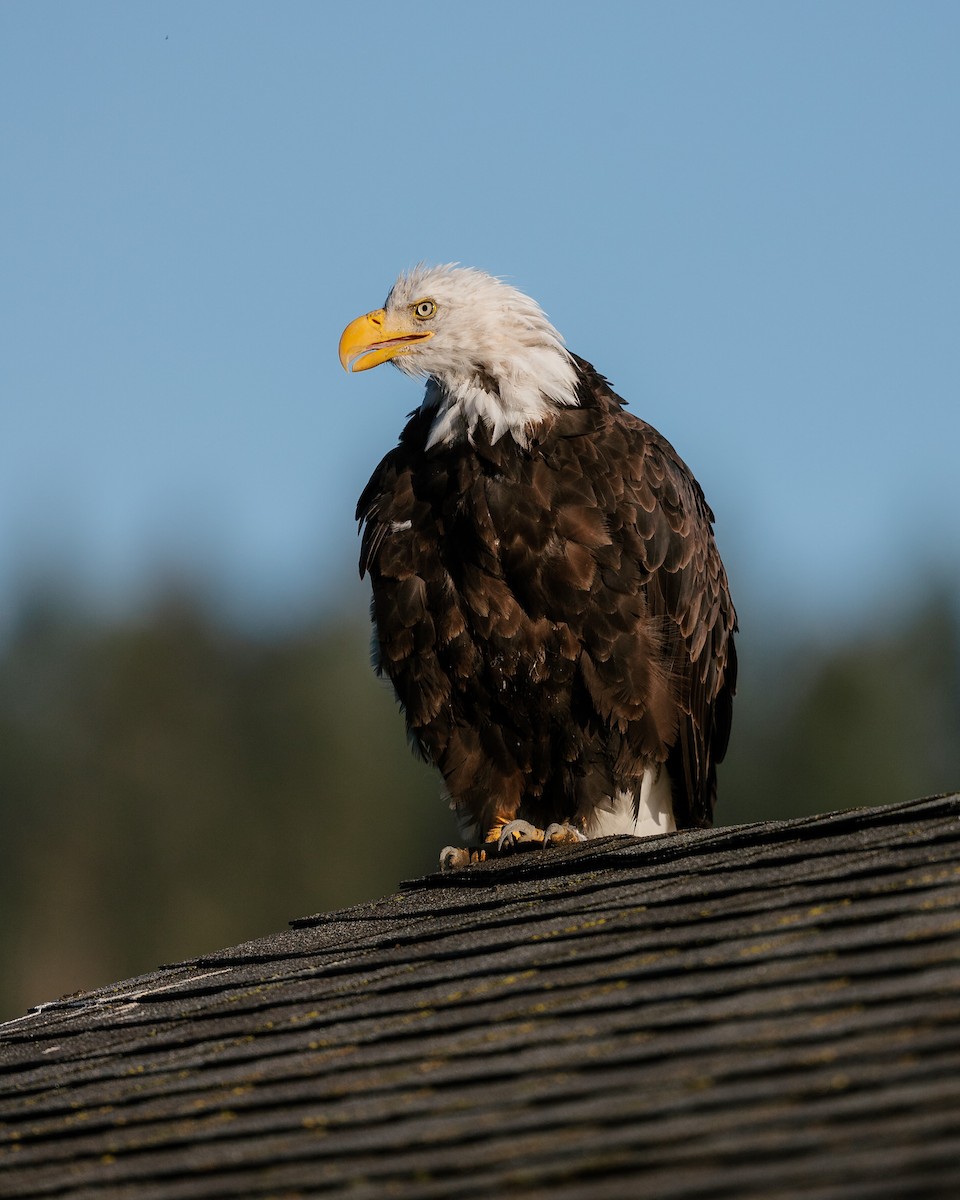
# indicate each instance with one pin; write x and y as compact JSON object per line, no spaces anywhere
{"x":424,"y":310}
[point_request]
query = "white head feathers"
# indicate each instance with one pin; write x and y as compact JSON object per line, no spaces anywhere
{"x":493,"y":357}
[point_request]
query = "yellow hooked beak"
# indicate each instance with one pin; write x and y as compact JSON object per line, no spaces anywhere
{"x":370,"y":340}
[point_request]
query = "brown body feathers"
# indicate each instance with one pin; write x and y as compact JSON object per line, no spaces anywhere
{"x":554,"y":616}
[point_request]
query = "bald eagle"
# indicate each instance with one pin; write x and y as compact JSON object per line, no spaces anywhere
{"x":548,"y":598}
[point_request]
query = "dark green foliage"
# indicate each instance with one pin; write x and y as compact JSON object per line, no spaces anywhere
{"x":872,"y":720}
{"x":169,"y":786}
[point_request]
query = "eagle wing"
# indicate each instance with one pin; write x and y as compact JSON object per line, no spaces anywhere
{"x":667,"y":527}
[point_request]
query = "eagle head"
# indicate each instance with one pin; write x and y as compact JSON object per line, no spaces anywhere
{"x":488,"y":351}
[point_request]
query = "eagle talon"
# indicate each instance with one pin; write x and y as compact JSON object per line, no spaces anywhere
{"x":452,"y":858}
{"x":518,"y":833}
{"x":562,"y":834}
{"x":455,"y":858}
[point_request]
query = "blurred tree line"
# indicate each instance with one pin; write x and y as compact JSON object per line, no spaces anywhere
{"x":170,"y":785}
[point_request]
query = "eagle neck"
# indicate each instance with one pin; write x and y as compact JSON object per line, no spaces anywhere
{"x":501,"y":404}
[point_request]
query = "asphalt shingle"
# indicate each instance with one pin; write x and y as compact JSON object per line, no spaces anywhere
{"x":756,"y":1011}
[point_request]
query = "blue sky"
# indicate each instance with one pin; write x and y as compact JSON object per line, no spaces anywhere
{"x":745,"y":214}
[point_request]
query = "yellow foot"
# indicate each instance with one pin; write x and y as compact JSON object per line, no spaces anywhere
{"x":452,"y":858}
{"x":515,"y":835}
{"x":518,"y":835}
{"x":562,"y":835}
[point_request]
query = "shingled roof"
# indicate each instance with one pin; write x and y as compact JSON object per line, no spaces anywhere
{"x":762,"y":1010}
